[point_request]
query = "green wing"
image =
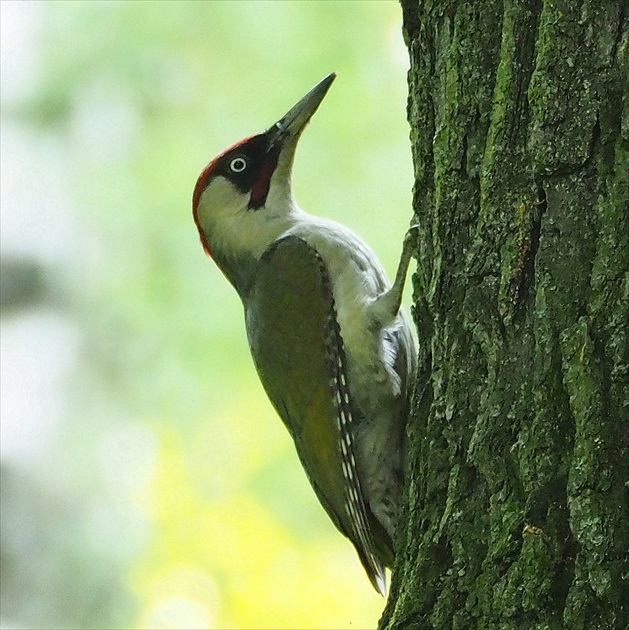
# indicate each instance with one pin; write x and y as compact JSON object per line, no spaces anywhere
{"x":297,"y":348}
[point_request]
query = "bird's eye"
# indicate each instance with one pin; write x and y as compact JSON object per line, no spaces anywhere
{"x":238,"y":165}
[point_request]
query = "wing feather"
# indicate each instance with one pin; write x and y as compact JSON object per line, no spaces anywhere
{"x":297,"y":348}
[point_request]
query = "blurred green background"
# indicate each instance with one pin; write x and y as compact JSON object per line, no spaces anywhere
{"x":146,"y":481}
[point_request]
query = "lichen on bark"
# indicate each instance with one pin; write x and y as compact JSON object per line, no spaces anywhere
{"x":518,"y":468}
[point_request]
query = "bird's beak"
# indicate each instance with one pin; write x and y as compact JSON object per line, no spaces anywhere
{"x":293,"y":122}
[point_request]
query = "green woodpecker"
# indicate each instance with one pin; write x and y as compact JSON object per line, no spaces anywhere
{"x":330,"y":343}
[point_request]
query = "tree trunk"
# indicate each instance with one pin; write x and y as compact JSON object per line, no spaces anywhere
{"x":518,"y":472}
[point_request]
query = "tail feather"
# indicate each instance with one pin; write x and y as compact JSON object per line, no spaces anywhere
{"x":375,"y":571}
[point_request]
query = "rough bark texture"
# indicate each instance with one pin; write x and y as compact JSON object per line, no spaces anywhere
{"x":518,"y":490}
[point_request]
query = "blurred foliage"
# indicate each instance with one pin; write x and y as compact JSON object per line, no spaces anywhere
{"x":173,"y":497}
{"x":21,"y":284}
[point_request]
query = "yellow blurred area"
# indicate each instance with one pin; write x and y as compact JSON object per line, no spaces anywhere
{"x":146,"y":480}
{"x":206,"y":550}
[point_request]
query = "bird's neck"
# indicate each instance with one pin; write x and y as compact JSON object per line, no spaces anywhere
{"x":238,"y":251}
{"x":239,"y":269}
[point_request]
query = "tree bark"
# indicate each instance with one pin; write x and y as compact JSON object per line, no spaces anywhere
{"x":518,"y":467}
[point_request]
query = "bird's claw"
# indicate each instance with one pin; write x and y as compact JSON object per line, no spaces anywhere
{"x":410,"y":238}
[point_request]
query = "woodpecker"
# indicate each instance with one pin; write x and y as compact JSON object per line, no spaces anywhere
{"x":328,"y":337}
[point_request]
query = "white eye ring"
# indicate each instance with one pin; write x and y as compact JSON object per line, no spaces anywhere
{"x":238,"y":165}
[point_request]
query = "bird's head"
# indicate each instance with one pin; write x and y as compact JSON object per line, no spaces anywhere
{"x":243,"y":200}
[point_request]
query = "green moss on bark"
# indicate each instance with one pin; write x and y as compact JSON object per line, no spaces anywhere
{"x":518,"y":510}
